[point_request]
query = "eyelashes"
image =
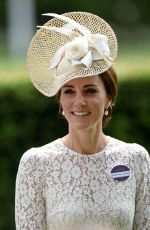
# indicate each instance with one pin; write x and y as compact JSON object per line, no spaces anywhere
{"x":90,"y":90}
{"x":69,"y":91}
{"x":86,"y":91}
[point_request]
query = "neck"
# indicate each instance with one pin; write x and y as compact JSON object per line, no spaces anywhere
{"x":85,"y":141}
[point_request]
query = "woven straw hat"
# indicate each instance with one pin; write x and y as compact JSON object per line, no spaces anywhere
{"x":50,"y":61}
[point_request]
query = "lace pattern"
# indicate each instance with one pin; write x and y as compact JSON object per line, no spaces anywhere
{"x":59,"y":189}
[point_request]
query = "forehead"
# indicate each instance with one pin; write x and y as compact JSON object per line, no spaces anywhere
{"x":90,"y":80}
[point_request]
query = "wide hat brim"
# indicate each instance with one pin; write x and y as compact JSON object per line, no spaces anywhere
{"x":45,"y":43}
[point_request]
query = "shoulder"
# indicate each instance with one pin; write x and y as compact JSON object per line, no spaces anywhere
{"x":130,"y":149}
{"x":37,"y":155}
{"x":35,"y":161}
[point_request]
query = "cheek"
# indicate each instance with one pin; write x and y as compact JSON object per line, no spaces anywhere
{"x":99,"y":102}
{"x":65,"y":103}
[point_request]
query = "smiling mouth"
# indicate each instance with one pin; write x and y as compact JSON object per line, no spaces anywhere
{"x":81,"y":113}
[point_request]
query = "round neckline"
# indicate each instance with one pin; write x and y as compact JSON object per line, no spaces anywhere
{"x":86,"y":155}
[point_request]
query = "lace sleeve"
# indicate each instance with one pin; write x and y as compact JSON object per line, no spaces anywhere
{"x":29,"y":199}
{"x":142,"y":210}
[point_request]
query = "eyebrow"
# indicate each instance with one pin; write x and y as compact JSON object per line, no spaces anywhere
{"x":85,"y":86}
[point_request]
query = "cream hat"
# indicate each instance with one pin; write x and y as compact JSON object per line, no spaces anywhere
{"x":68,"y":46}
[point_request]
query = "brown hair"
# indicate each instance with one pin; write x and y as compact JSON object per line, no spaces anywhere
{"x":109,"y":79}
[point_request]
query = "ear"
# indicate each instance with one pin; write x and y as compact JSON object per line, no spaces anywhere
{"x":108,"y":101}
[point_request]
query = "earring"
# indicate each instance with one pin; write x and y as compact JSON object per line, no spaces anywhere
{"x":63,"y":113}
{"x":106,"y":112}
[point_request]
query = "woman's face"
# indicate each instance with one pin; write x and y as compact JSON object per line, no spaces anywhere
{"x":83,"y":101}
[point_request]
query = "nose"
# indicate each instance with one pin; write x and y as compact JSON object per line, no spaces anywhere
{"x":80,"y":99}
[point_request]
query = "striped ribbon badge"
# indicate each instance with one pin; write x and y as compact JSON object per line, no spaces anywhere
{"x":120,"y":172}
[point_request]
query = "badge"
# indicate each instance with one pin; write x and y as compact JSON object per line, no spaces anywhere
{"x":120,"y":172}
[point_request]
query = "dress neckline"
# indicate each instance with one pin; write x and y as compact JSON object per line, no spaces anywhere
{"x":101,"y":152}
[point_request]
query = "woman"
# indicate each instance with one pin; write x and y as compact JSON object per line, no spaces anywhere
{"x":84,"y":180}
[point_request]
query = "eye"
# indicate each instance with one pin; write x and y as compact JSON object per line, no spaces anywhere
{"x":91,"y":90}
{"x":68,"y":91}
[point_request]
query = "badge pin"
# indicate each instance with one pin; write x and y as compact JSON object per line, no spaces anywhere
{"x":120,"y":172}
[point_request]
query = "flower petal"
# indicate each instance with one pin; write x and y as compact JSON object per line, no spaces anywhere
{"x":57,"y":57}
{"x":102,"y":49}
{"x":77,"y":48}
{"x":87,"y":60}
{"x":76,"y":62}
{"x":99,"y":42}
{"x":98,"y":38}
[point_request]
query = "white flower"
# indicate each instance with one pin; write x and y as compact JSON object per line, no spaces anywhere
{"x":101,"y":48}
{"x":84,"y":50}
{"x":77,"y":49}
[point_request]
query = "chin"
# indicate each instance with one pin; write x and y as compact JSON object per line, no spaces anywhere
{"x":82,"y":127}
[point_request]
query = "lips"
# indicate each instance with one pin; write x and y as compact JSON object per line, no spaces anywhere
{"x":83,"y":113}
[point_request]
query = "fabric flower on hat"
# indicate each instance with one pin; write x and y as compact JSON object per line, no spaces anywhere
{"x":84,"y":50}
{"x":81,"y":49}
{"x":76,"y":49}
{"x":100,"y":43}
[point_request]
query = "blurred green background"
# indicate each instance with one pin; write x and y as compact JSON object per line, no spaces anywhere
{"x":28,"y":119}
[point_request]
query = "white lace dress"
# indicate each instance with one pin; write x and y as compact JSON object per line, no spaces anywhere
{"x":57,"y":188}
